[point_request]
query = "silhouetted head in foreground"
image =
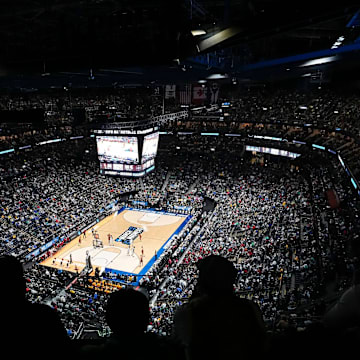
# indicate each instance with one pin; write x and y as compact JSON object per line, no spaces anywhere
{"x":12,"y":279}
{"x":127,"y":312}
{"x":215,"y":323}
{"x":216,"y":275}
{"x":26,"y":324}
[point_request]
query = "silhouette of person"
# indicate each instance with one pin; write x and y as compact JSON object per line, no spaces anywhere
{"x":215,"y":323}
{"x":26,"y":328}
{"x":127,"y":315}
{"x":345,"y":313}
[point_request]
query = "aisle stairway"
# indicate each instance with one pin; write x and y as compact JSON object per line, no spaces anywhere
{"x":192,"y":186}
{"x":163,"y":188}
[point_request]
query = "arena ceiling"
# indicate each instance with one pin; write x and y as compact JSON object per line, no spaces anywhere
{"x":105,"y":42}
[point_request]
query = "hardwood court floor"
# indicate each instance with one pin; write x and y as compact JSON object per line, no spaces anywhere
{"x":157,"y":228}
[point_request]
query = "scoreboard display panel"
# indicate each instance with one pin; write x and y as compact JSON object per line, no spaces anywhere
{"x":118,"y":149}
{"x":150,"y":147}
{"x":126,"y":167}
{"x":127,"y":155}
{"x":272,"y":151}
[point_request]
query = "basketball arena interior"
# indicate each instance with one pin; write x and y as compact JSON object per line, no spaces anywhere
{"x":179,"y":179}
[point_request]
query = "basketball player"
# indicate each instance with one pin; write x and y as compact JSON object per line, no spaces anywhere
{"x":71,"y":259}
{"x":141,"y":261}
{"x":133,"y":250}
{"x":111,"y":240}
{"x":88,"y":260}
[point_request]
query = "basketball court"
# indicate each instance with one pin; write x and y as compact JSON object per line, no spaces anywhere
{"x":136,"y":235}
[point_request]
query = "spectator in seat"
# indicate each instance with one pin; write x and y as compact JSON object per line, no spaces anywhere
{"x":216,"y":324}
{"x":127,"y":315}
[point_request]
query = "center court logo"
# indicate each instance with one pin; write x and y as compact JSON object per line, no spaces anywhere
{"x":128,"y":236}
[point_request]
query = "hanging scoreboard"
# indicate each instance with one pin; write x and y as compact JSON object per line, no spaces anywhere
{"x":127,"y":152}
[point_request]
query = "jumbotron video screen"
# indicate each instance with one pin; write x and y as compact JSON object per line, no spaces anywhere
{"x":120,"y":155}
{"x":150,"y":147}
{"x":118,"y":149}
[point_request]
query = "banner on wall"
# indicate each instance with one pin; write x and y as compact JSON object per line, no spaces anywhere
{"x":214,"y":93}
{"x":185,"y":94}
{"x":332,"y":198}
{"x":170,"y":91}
{"x":199,"y":94}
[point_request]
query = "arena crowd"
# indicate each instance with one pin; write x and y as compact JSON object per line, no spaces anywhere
{"x":268,"y":217}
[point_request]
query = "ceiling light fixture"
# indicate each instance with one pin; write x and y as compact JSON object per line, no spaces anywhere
{"x":217,"y":76}
{"x":319,"y":61}
{"x":198,"y":32}
{"x":338,"y":42}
